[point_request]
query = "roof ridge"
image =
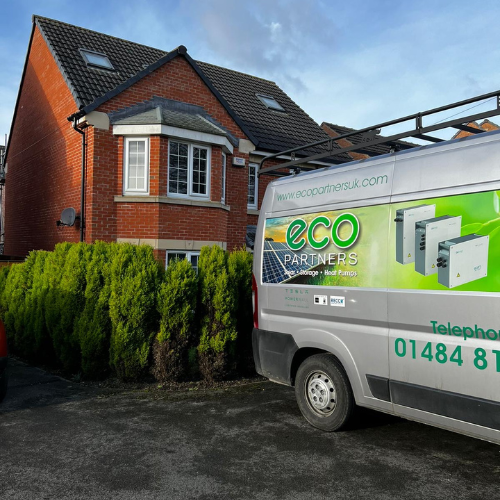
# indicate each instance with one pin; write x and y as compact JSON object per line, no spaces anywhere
{"x":42,"y":18}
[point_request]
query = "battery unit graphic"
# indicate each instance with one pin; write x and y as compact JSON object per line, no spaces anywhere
{"x":461,"y":260}
{"x":406,"y":218}
{"x":428,"y":234}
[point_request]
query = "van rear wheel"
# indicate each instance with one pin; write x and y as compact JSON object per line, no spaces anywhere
{"x":323,"y":392}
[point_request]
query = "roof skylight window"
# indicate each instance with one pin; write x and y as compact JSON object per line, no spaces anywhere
{"x":270,"y":102}
{"x":96,"y":59}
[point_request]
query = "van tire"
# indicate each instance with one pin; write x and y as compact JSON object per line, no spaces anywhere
{"x":318,"y":376}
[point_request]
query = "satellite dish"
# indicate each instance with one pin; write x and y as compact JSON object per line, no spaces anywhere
{"x":68,"y":217}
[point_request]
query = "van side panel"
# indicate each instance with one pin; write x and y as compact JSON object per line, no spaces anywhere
{"x":443,"y":342}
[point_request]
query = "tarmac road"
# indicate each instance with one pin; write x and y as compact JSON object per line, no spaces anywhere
{"x":60,"y":440}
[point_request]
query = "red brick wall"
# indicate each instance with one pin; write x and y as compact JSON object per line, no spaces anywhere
{"x":44,"y":159}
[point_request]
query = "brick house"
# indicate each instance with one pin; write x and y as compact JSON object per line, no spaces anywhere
{"x":363,"y":153}
{"x":485,"y":125}
{"x":165,"y":147}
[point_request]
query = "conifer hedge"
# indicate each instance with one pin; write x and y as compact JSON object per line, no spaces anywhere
{"x":217,"y":307}
{"x":111,"y":309}
{"x":176,"y":307}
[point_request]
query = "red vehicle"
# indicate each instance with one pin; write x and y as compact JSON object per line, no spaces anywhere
{"x":3,"y":362}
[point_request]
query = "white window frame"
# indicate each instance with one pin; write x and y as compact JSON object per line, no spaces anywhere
{"x":190,"y":193}
{"x":253,"y":206}
{"x":126,"y":189}
{"x":223,"y":193}
{"x":188,"y":256}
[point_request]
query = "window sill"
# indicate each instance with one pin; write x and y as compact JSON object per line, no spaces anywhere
{"x":252,"y":211}
{"x":171,"y":201}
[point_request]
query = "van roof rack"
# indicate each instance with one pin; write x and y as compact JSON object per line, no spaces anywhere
{"x":328,"y":148}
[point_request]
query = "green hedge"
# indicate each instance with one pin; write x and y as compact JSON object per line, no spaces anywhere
{"x":135,"y":279}
{"x":111,"y":309}
{"x":217,"y":306}
{"x":176,"y":307}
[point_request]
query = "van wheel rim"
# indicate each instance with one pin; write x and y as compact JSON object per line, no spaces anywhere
{"x":321,"y":394}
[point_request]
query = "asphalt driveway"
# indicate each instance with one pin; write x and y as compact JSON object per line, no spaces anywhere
{"x":60,"y":440}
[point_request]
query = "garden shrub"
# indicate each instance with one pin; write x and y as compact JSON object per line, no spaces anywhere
{"x":93,"y":328}
{"x":69,"y":304}
{"x":4,"y":303}
{"x":17,"y":285}
{"x":54,"y":266}
{"x":4,"y":273}
{"x":38,"y":345}
{"x":176,"y":307}
{"x":218,"y":331}
{"x":135,"y":278}
{"x":240,"y":277}
{"x":90,"y":308}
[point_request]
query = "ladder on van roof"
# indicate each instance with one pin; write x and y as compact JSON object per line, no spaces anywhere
{"x":329,"y":149}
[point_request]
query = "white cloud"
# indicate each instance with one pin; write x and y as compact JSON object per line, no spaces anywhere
{"x":355,"y":63}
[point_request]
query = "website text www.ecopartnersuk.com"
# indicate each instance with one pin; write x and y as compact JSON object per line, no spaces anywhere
{"x":331,"y":188}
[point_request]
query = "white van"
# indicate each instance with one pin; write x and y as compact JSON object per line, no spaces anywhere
{"x":377,"y":283}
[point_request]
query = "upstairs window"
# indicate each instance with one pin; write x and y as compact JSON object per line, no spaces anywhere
{"x":188,"y":170}
{"x":253,"y":189}
{"x":136,"y":171}
{"x":270,"y":102}
{"x":96,"y":59}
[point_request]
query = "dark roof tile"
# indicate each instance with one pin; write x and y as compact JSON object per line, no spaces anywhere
{"x":163,"y":111}
{"x":274,"y":131}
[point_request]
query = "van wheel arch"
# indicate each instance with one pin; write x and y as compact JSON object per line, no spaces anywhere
{"x":306,"y":352}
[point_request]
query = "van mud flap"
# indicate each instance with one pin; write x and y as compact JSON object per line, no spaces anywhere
{"x":273,"y":354}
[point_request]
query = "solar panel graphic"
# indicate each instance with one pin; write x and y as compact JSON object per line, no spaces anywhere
{"x":274,"y":268}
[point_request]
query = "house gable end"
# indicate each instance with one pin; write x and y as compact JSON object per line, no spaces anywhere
{"x":43,"y":174}
{"x":177,"y":80}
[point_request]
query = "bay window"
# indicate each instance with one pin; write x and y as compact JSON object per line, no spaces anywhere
{"x":188,"y":170}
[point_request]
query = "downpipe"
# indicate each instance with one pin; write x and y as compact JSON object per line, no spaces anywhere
{"x":82,"y":194}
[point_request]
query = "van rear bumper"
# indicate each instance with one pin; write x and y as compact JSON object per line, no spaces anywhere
{"x":273,"y":354}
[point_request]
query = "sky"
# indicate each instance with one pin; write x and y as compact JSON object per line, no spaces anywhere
{"x":353,"y":63}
